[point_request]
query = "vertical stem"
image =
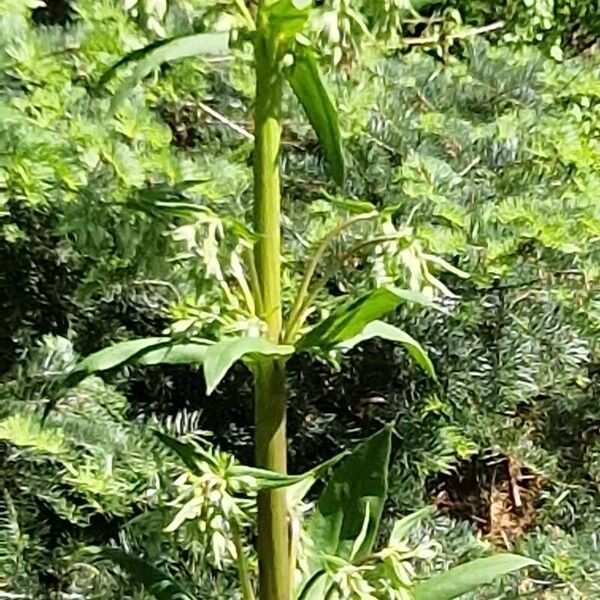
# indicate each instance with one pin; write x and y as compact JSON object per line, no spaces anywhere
{"x":242,"y":563}
{"x":270,"y":394}
{"x":273,"y":547}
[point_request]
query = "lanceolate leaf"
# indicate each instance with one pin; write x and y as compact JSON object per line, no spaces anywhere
{"x":265,"y":479}
{"x":220,"y":357}
{"x":350,"y":320}
{"x":186,"y":452}
{"x":130,"y":57}
{"x":358,"y":485}
{"x":308,"y":85}
{"x":175,"y":354}
{"x":217,"y":358}
{"x":162,"y":199}
{"x":145,"y":351}
{"x":402,"y":527}
{"x":340,"y":529}
{"x":270,"y":479}
{"x":470,"y":576}
{"x":117,"y":354}
{"x":156,"y":582}
{"x":153,"y":55}
{"x":393,"y":334}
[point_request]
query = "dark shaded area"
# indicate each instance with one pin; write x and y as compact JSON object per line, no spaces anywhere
{"x":55,"y":12}
{"x":328,"y":410}
{"x":39,"y":283}
{"x":50,"y":527}
{"x":494,"y":493}
{"x":127,"y":311}
{"x":36,"y":282}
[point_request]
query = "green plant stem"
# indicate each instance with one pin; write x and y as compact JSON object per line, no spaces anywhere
{"x":311,"y":294}
{"x":382,"y":239}
{"x":241,"y":4}
{"x":242,"y":563}
{"x":271,"y":453}
{"x":270,"y":393}
{"x":299,"y":303}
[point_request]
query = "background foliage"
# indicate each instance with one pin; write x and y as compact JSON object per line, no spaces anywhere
{"x":480,"y":147}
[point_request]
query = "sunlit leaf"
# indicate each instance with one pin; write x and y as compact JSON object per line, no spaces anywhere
{"x":175,"y":354}
{"x":364,"y":530}
{"x":350,"y":320}
{"x":266,"y":479}
{"x":469,"y":577}
{"x":152,"y":56}
{"x":118,"y":354}
{"x":159,"y":584}
{"x":307,"y":82}
{"x":220,"y":357}
{"x":163,"y":199}
{"x":389,"y":332}
{"x":145,"y":351}
{"x":354,"y":207}
{"x":288,"y":17}
{"x":402,"y":527}
{"x":192,"y":456}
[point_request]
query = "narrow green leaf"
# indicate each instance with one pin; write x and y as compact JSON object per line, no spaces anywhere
{"x":364,"y":530}
{"x":156,"y":582}
{"x":186,"y":452}
{"x":350,"y":319}
{"x":402,"y":527}
{"x":355,"y":207}
{"x":132,"y":56}
{"x":265,"y":479}
{"x":152,"y":56}
{"x":117,"y":354}
{"x":220,"y":357}
{"x":162,"y":199}
{"x":175,"y":354}
{"x":307,"y":82}
{"x":271,"y":479}
{"x":145,"y":351}
{"x":192,"y":455}
{"x":358,"y":485}
{"x":469,"y":577}
{"x":394,"y":334}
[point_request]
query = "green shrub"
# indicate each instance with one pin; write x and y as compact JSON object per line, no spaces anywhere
{"x":492,"y":152}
